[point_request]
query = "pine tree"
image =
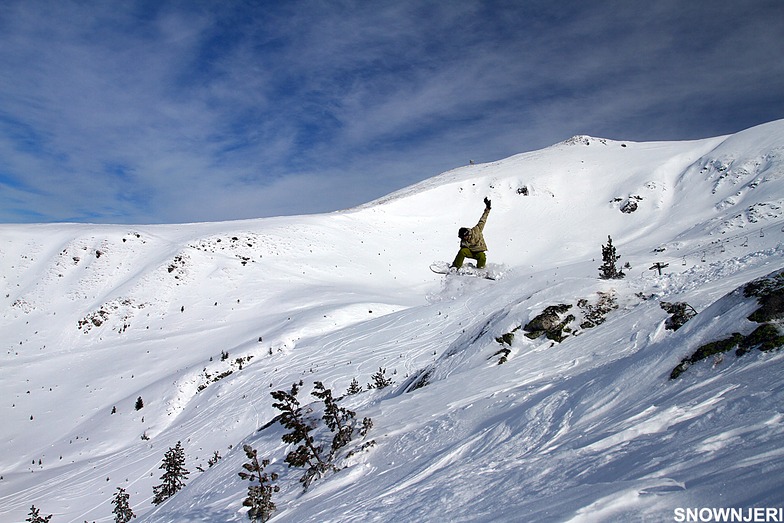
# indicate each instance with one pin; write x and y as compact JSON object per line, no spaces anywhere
{"x":122,"y":509}
{"x":216,"y":457}
{"x":259,"y":498}
{"x":608,"y":271}
{"x":307,"y":454}
{"x":173,"y":476}
{"x":35,"y":517}
{"x":354,"y":387}
{"x":338,"y":419}
{"x":367,"y":424}
{"x":380,"y":380}
{"x":139,"y":403}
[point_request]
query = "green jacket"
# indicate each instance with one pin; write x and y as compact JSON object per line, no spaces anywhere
{"x":474,"y":240}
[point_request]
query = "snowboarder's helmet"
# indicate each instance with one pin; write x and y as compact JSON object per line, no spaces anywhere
{"x":462,"y":232}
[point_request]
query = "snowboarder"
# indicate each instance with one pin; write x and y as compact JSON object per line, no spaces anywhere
{"x":472,"y":242}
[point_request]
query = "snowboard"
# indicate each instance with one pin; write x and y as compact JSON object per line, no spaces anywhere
{"x":468,"y":269}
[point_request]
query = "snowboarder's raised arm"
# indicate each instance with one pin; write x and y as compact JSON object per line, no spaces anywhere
{"x":483,"y":219}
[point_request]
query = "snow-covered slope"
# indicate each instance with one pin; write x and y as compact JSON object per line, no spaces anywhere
{"x":588,"y":429}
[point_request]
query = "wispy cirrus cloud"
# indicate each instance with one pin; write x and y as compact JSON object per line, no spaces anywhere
{"x":185,"y":111}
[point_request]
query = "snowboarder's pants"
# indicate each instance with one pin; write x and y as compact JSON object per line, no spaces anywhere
{"x":465,"y":252}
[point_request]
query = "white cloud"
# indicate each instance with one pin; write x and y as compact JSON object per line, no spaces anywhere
{"x":112,"y":111}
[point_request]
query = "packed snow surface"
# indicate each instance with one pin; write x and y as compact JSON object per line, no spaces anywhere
{"x":203,"y":321}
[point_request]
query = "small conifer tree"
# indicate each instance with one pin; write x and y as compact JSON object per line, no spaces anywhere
{"x":216,"y":457}
{"x":122,"y":509}
{"x":338,"y":419}
{"x":380,"y":380}
{"x":307,"y":454}
{"x":173,"y":476}
{"x":259,"y":498}
{"x":354,"y":387}
{"x":367,"y":424}
{"x":608,"y":271}
{"x":36,"y":517}
{"x":139,"y":403}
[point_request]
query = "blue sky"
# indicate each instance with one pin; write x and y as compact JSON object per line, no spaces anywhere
{"x":179,"y":111}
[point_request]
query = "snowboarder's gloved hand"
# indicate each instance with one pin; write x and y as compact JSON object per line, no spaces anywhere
{"x":487,"y":202}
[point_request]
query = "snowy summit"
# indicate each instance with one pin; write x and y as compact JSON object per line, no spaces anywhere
{"x":553,"y":393}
